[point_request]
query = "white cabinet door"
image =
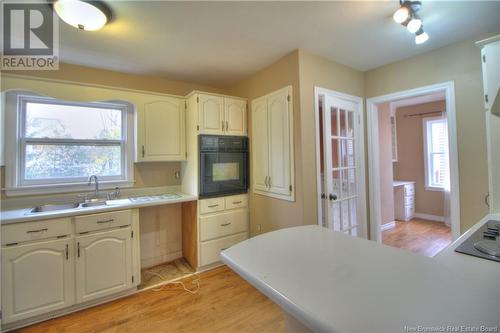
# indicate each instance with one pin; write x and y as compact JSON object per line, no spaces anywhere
{"x":211,"y":114}
{"x":279,"y":143}
{"x":259,"y":147}
{"x":163,"y":132}
{"x":103,"y":264}
{"x":235,"y":114}
{"x":491,"y":72}
{"x":37,"y":278}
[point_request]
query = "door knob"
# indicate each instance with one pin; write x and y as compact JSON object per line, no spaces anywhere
{"x":332,"y":196}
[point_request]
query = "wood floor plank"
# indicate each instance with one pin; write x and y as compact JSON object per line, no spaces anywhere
{"x":225,"y":303}
{"x":420,"y":236}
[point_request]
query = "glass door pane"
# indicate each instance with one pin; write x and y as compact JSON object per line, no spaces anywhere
{"x":340,"y":164}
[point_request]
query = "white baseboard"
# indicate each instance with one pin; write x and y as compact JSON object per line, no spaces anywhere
{"x":387,"y":226}
{"x":430,"y":217}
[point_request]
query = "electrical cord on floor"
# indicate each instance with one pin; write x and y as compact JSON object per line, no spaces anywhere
{"x":195,"y":282}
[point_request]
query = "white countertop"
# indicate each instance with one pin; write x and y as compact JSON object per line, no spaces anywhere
{"x":401,"y":183}
{"x":24,"y":215}
{"x":332,"y":282}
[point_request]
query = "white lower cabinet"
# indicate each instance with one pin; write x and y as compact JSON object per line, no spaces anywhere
{"x":404,"y":201}
{"x":210,"y":250}
{"x":103,"y":264}
{"x":37,"y":278}
{"x":223,"y":222}
{"x":54,"y":264}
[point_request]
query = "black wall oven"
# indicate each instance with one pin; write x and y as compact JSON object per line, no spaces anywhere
{"x":223,"y":165}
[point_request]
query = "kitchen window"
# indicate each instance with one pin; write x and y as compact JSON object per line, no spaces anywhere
{"x":437,"y":170}
{"x":56,"y":145}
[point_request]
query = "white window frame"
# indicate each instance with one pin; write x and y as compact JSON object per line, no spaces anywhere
{"x":427,"y":163}
{"x":16,"y":184}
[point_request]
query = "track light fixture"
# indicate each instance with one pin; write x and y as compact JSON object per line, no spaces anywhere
{"x":406,"y":15}
{"x":421,"y":36}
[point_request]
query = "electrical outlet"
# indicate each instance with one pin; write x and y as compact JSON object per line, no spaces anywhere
{"x":259,"y":227}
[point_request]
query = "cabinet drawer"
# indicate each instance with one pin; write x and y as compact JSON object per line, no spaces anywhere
{"x":211,"y":205}
{"x":236,"y":201}
{"x":223,"y":224}
{"x":409,"y":200}
{"x":409,"y":189}
{"x":102,"y":221}
{"x":210,"y":250}
{"x":29,"y":231}
{"x":409,"y":212}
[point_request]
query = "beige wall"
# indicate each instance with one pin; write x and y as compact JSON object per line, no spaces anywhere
{"x":316,"y":71}
{"x":410,"y":164}
{"x":460,"y":63}
{"x":272,"y":213}
{"x":385,"y":157}
{"x":303,"y":71}
{"x":145,"y":174}
{"x":105,"y":77}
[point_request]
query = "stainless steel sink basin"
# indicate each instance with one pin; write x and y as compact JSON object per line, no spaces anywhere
{"x":49,"y":208}
{"x":94,"y":203}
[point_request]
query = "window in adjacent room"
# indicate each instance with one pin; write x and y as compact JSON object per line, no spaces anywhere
{"x":59,"y":144}
{"x":436,"y":157}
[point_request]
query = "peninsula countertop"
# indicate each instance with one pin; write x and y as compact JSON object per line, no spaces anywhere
{"x":18,"y":215}
{"x":332,"y":282}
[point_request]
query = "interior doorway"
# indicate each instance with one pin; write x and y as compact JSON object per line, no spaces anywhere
{"x":340,"y":157}
{"x":413,"y":167}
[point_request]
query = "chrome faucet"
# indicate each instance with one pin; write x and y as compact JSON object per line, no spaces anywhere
{"x":96,"y":180}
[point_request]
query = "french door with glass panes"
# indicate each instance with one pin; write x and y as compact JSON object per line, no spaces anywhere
{"x":342,"y":192}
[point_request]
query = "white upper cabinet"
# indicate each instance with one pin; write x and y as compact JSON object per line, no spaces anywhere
{"x":279,"y":143}
{"x":260,"y":145}
{"x":490,"y":56}
{"x":103,"y":264}
{"x":235,"y":114}
{"x":161,"y":130}
{"x":211,"y":114}
{"x":272,"y":145}
{"x":220,"y":115}
{"x":37,"y":278}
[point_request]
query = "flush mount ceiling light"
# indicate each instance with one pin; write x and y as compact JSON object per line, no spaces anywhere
{"x":406,"y":15}
{"x":84,"y":15}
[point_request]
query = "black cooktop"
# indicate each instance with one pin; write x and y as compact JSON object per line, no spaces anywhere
{"x":484,"y":243}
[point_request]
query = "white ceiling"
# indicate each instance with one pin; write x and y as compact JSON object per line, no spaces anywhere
{"x":220,"y":43}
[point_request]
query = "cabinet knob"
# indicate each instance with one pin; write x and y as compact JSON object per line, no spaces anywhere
{"x":332,"y":197}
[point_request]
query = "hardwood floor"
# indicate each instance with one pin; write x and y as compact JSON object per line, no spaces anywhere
{"x":225,"y":303}
{"x":421,"y":236}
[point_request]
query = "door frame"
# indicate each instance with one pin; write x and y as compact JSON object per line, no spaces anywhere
{"x":448,"y":88}
{"x":359,"y":155}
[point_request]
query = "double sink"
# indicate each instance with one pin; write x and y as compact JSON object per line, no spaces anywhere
{"x":50,"y":208}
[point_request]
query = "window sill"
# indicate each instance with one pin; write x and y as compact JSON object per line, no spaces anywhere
{"x":65,"y":188}
{"x":435,"y":189}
